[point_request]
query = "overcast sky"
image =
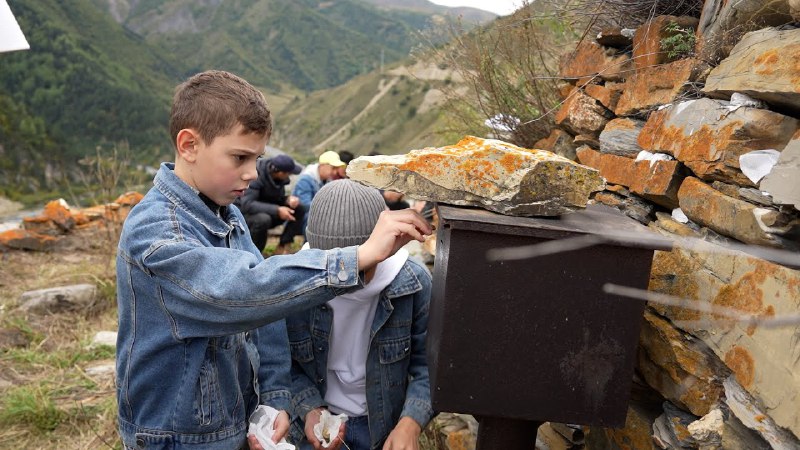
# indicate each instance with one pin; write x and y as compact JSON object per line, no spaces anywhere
{"x":501,"y":7}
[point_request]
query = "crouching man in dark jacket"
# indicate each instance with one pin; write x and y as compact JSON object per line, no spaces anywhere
{"x":265,"y":204}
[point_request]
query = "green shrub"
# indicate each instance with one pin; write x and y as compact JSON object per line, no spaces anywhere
{"x":679,"y":43}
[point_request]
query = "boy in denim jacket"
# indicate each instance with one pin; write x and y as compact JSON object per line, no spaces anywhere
{"x":201,"y":337}
{"x":362,"y":354}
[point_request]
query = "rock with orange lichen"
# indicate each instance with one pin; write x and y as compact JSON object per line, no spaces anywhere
{"x":782,"y":181}
{"x":654,"y":86}
{"x":765,"y":361}
{"x":487,"y":173}
{"x":682,"y":369}
{"x":764,"y":65}
{"x":26,"y":240}
{"x":708,"y":136}
{"x":58,"y":211}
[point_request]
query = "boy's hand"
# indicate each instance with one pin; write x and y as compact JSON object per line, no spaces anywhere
{"x":286,"y":213}
{"x":393,"y":230}
{"x":312,"y":418}
{"x":292,"y":201}
{"x":405,"y":436}
{"x":280,"y":427}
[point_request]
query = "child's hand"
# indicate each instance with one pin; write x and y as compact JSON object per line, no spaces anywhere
{"x":281,"y":426}
{"x":292,"y":201}
{"x":280,"y":430}
{"x":312,"y":418}
{"x":405,"y":436}
{"x":393,"y":230}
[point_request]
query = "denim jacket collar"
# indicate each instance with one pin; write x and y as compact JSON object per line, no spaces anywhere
{"x":404,"y":283}
{"x":183,"y":196}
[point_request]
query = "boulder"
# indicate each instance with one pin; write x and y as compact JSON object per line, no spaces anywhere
{"x":59,"y":299}
{"x":726,"y":215}
{"x":487,"y":173}
{"x":763,"y":65}
{"x":679,"y":366}
{"x":708,"y":136}
{"x":620,"y":137}
{"x":582,"y":114}
{"x":58,"y":212}
{"x":27,"y":240}
{"x":723,"y":23}
{"x":636,"y":435}
{"x":657,"y":181}
{"x":710,"y":274}
{"x":651,"y":87}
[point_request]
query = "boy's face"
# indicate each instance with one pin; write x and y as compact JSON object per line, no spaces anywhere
{"x":223,"y":169}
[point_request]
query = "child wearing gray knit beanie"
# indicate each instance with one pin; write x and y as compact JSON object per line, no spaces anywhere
{"x":339,"y":349}
{"x":343,"y":213}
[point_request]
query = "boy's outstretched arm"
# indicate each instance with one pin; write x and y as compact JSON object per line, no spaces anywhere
{"x":393,"y":230}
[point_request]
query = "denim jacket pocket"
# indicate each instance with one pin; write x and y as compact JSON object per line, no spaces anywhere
{"x":393,"y":355}
{"x":302,"y":351}
{"x":207,"y":396}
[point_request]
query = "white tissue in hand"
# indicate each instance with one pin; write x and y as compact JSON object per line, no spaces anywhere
{"x":262,"y":427}
{"x":328,"y":427}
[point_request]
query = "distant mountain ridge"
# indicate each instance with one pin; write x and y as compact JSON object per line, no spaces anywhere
{"x":101,"y":72}
{"x":469,"y":15}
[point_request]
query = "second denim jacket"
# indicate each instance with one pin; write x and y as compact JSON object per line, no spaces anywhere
{"x":397,"y":370}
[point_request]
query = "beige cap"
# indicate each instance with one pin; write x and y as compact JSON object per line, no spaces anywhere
{"x":332,"y":158}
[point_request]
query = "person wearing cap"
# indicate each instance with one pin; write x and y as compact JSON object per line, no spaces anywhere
{"x":346,"y":157}
{"x":265,"y":204}
{"x":361,"y":354}
{"x":314,"y":176}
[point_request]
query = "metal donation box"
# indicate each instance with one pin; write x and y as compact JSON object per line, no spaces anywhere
{"x":520,"y":342}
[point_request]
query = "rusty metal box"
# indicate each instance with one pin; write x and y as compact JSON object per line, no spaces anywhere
{"x":535,"y":339}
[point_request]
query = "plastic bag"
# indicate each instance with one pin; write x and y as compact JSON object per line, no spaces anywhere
{"x":328,"y":427}
{"x":262,"y":427}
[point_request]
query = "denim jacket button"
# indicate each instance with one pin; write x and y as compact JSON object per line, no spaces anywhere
{"x":323,"y":307}
{"x":247,"y":335}
{"x":342,"y":275}
{"x":140,"y":442}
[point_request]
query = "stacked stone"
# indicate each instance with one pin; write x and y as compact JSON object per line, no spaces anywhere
{"x":669,"y":136}
{"x":45,"y":231}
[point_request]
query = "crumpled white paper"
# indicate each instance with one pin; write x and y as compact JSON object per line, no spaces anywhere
{"x":644,"y":155}
{"x":262,"y":427}
{"x":739,"y":99}
{"x":757,"y":164}
{"x":328,"y":427}
{"x":679,"y":216}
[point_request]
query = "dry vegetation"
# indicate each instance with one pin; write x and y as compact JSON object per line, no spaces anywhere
{"x":49,"y":397}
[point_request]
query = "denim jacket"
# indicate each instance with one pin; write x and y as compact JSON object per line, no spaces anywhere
{"x":197,"y":306}
{"x":397,"y":371}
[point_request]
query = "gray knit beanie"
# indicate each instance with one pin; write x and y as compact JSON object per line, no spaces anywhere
{"x":343,"y":213}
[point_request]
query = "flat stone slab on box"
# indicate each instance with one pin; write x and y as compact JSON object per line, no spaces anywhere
{"x":486,"y":173}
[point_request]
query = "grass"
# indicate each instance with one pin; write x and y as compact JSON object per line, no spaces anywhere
{"x":48,"y":399}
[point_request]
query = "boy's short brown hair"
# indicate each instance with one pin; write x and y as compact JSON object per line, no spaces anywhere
{"x":213,"y":102}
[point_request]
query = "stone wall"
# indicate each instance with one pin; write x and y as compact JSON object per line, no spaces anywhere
{"x":686,"y":153}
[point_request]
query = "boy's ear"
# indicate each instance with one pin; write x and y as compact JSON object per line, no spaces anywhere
{"x":187,"y":143}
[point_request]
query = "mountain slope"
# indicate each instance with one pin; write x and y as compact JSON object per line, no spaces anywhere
{"x":76,"y":82}
{"x":306,"y":44}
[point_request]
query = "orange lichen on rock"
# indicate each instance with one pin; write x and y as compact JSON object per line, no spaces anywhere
{"x":741,"y":363}
{"x":129,"y":198}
